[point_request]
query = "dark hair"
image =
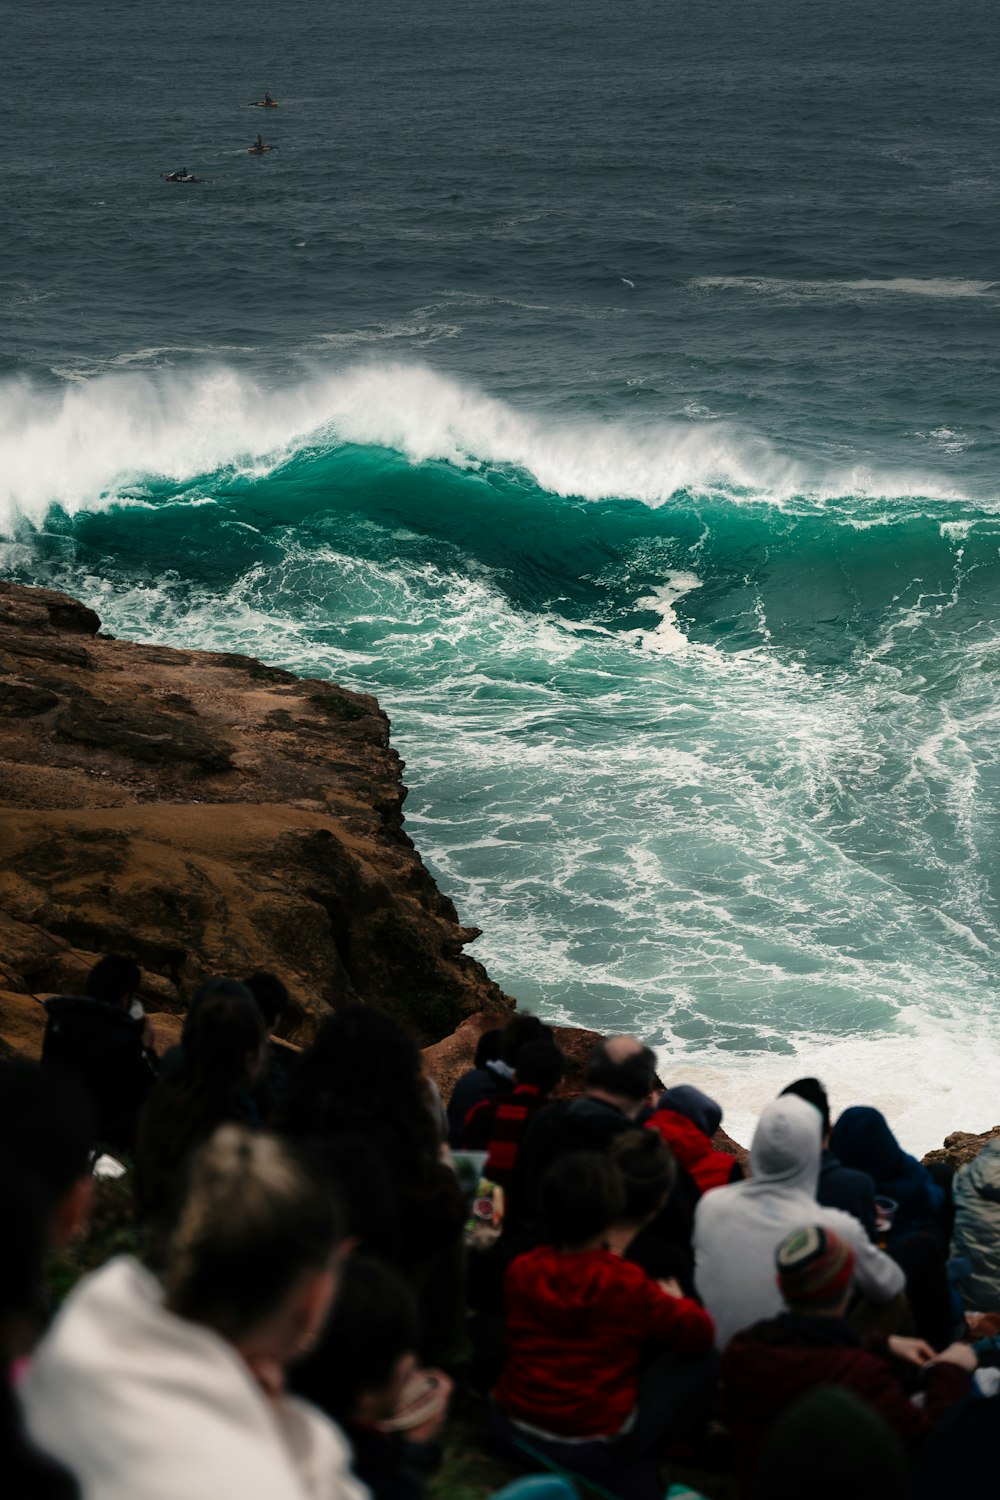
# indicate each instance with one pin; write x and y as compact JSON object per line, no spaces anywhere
{"x":813,"y":1092}
{"x":113,"y":978}
{"x":648,"y":1169}
{"x":581,"y":1195}
{"x":634,"y":1077}
{"x":374,"y":1323}
{"x":46,"y":1124}
{"x":222,"y":1030}
{"x":253,"y":1217}
{"x":540,"y":1064}
{"x":227,"y":1002}
{"x":368,"y":1197}
{"x":270,"y":994}
{"x":521,"y":1028}
{"x":488,"y":1048}
{"x":362,"y":1075}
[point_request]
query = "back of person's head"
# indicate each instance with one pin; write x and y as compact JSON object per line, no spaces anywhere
{"x":23,"y":1244}
{"x":114,"y":979}
{"x":270,"y":994}
{"x":362,"y":1074}
{"x":815,"y":1094}
{"x":541,"y":1065}
{"x":373,"y":1326}
{"x":522,"y":1028}
{"x":814,"y":1268}
{"x":648,"y":1171}
{"x":581,"y":1196}
{"x":830,"y":1445}
{"x":787,"y":1144}
{"x":47,"y":1125}
{"x":489,"y":1048}
{"x":863,"y":1139}
{"x":224,"y":1033}
{"x":254,"y":1217}
{"x":622,"y":1067}
{"x":702,"y":1111}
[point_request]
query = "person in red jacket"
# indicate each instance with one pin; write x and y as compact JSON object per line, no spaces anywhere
{"x":773,"y":1364}
{"x":498,"y":1125}
{"x":595,"y":1348}
{"x":686,"y":1119}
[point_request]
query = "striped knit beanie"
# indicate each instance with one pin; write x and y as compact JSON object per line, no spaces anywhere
{"x":814,"y":1267}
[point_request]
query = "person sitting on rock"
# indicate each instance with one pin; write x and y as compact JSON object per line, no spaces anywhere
{"x":223,"y":1055}
{"x":921,"y":1214}
{"x":863,"y":1140}
{"x":620,"y":1078}
{"x":977,"y":1228}
{"x":620,"y":1083}
{"x":365,"y":1374}
{"x":738,"y":1229}
{"x":498,"y":1125}
{"x":493,"y":1073}
{"x":363,"y":1076}
{"x":771,"y":1365}
{"x":173,"y":1384}
{"x":603,"y":1363}
{"x":103,"y":1037}
{"x":686,"y":1119}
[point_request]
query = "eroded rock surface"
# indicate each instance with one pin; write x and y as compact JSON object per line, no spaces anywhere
{"x":207,"y":814}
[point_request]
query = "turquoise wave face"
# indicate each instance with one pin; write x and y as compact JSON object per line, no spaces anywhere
{"x":722,"y":771}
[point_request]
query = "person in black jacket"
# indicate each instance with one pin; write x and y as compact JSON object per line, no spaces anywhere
{"x":103,"y":1038}
{"x":621,"y":1082}
{"x":839,"y":1186}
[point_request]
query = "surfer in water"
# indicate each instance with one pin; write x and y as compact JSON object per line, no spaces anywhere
{"x":258,"y":144}
{"x":267,"y":97}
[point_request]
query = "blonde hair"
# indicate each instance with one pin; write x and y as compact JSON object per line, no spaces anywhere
{"x":253,"y":1218}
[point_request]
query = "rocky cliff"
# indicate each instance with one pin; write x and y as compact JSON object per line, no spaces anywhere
{"x":207,"y":814}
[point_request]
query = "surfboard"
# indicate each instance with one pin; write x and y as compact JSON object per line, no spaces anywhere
{"x":260,"y":104}
{"x":258,"y":150}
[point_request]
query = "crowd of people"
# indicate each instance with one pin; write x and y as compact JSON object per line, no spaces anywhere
{"x":311,"y":1296}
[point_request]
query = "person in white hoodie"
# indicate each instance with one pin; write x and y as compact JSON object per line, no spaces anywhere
{"x":737,"y":1229}
{"x":171,"y":1387}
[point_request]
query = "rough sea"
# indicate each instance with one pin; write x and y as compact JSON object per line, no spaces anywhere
{"x":613,"y":390}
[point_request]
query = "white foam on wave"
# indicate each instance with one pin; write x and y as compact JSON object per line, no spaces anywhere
{"x":946,"y":287}
{"x":667,"y":638}
{"x":654,"y":836}
{"x":928,"y":1078}
{"x":85,"y":443}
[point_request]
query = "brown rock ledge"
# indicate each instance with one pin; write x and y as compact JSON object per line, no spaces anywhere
{"x":207,"y":814}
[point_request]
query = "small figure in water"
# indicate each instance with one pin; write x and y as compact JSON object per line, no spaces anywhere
{"x":267,"y":97}
{"x":258,"y":144}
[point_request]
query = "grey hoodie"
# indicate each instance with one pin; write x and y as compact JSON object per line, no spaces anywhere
{"x":737,"y":1229}
{"x":977,"y":1228}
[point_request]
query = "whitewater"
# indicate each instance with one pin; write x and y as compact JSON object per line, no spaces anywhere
{"x":615,"y":398}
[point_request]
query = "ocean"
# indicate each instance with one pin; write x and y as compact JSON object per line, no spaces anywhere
{"x":612,"y":390}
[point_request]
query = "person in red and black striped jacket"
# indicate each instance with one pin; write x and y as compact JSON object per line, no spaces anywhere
{"x":499,"y":1125}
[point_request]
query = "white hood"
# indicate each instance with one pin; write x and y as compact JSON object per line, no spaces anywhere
{"x":787,"y":1145}
{"x":738,"y":1229}
{"x":142,"y":1405}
